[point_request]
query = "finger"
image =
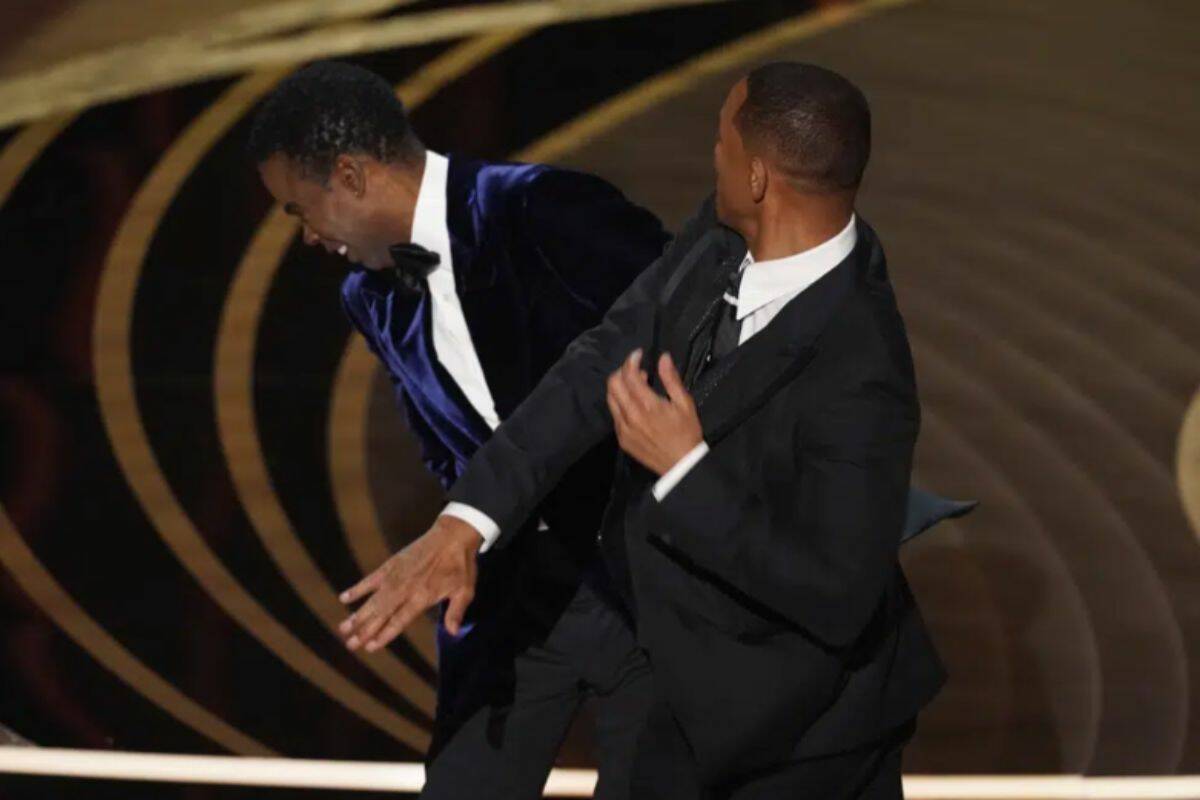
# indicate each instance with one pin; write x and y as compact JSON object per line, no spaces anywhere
{"x":366,"y":632}
{"x":638,"y":391}
{"x":373,"y":613}
{"x":621,"y":392}
{"x":362,"y":588}
{"x":390,"y":631}
{"x":456,"y":610}
{"x":396,"y":624}
{"x":634,"y":361}
{"x":672,"y":382}
{"x":620,"y":423}
{"x":353,"y":622}
{"x":632,"y":367}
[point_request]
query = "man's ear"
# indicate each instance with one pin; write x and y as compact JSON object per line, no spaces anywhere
{"x":758,"y":179}
{"x":351,"y":174}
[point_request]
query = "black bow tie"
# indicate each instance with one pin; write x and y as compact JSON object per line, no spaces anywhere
{"x":413,"y":264}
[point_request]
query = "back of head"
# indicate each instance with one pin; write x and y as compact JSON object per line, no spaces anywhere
{"x":331,"y":108}
{"x":810,"y":123}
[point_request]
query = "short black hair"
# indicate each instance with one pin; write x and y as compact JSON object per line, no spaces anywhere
{"x":814,"y":124}
{"x":331,"y":108}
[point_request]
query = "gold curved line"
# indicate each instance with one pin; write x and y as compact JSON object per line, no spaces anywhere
{"x":23,"y":149}
{"x":37,"y":582}
{"x":348,"y":461}
{"x":119,"y":409}
{"x":253,"y":22}
{"x":76,"y":86}
{"x":233,"y":378}
{"x":1187,"y":464}
{"x":347,"y":432}
{"x":674,"y":82}
{"x":119,"y":72}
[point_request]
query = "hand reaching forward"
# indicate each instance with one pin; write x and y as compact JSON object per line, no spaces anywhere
{"x":658,"y":431}
{"x":438,"y":566}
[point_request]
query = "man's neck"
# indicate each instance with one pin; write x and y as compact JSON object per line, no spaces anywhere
{"x":784,"y":229}
{"x":403,"y":189}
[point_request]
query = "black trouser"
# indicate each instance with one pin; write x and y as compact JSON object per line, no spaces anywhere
{"x":664,"y":770}
{"x":508,"y":752}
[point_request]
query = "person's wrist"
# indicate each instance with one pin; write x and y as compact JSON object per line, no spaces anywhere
{"x":678,"y":455}
{"x":461,"y":533}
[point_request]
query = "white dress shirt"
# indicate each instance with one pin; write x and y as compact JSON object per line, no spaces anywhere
{"x":451,"y":338}
{"x":452,"y":343}
{"x":766,"y":287}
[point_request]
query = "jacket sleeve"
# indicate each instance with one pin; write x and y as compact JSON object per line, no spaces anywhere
{"x":566,"y":414}
{"x":819,"y":551}
{"x":590,"y":236}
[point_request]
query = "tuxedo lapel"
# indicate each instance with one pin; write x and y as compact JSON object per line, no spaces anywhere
{"x":696,"y":284}
{"x":464,"y":213}
{"x":756,"y":370}
{"x":480,"y":268}
{"x":394,"y":315}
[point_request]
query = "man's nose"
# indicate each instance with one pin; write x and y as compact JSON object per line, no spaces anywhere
{"x":310,"y":238}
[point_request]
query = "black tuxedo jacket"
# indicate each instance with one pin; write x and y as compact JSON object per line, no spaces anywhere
{"x":766,"y":583}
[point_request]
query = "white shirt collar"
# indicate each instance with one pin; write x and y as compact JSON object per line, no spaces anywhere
{"x":429,"y":214}
{"x":767,"y":281}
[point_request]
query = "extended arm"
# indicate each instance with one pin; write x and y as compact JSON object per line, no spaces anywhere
{"x":566,"y":414}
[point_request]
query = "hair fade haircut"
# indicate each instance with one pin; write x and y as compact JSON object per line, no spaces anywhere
{"x":810,"y":122}
{"x":328,"y":109}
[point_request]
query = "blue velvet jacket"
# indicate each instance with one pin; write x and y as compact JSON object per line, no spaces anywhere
{"x":539,"y":254}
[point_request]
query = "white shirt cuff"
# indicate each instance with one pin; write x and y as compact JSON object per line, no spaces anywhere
{"x":676,"y":473}
{"x":481,"y":522}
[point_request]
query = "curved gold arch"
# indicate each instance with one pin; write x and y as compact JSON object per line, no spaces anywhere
{"x":233,"y":376}
{"x":37,"y":582}
{"x":1187,"y":463}
{"x":606,"y":116}
{"x":358,"y":367}
{"x":120,"y":73}
{"x":119,"y":409}
{"x":234,"y":394}
{"x":24,"y":148}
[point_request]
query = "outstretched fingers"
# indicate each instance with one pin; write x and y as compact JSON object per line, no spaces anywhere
{"x":362,"y":588}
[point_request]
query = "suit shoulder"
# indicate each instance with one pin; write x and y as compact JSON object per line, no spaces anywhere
{"x":868,"y":332}
{"x":502,"y":179}
{"x":556,"y":197}
{"x":550,"y":186}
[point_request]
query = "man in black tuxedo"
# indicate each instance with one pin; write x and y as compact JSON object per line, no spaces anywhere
{"x":468,"y":281}
{"x":761,"y":498}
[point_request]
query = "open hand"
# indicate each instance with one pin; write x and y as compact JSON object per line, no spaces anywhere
{"x":438,"y":566}
{"x":657,"y":431}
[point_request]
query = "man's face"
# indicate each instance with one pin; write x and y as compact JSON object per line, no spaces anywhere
{"x":734,"y":198}
{"x":338,"y":216}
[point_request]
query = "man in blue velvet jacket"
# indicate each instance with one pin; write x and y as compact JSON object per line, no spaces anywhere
{"x":469,"y":281}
